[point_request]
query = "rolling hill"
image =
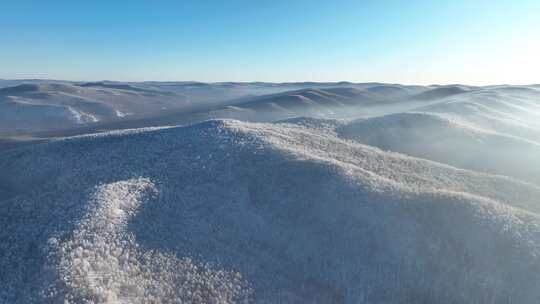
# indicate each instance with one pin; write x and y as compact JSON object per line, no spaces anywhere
{"x":494,"y":130}
{"x":431,"y":197}
{"x":228,"y":211}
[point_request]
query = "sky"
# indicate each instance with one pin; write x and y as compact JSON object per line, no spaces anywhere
{"x":410,"y":42}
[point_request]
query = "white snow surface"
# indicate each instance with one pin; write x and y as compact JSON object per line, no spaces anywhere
{"x":232,"y":212}
{"x":437,"y":205}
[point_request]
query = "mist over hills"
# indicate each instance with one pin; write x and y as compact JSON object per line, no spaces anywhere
{"x":273,"y":193}
{"x":42,"y":107}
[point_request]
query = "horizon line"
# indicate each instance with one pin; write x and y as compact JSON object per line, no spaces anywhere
{"x":268,"y":82}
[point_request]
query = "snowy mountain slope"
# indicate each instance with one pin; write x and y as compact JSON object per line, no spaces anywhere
{"x":325,"y":102}
{"x":510,"y":110}
{"x":305,"y":102}
{"x":226,"y":211}
{"x":24,"y":106}
{"x":51,"y":106}
{"x":442,"y":92}
{"x":494,"y":130}
{"x":72,"y":107}
{"x":29,"y":107}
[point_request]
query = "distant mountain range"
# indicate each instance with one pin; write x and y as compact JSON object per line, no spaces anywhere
{"x":29,"y":107}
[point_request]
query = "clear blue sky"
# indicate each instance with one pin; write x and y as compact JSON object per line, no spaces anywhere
{"x":454,"y":41}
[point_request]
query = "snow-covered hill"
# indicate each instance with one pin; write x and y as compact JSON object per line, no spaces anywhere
{"x":30,"y":107}
{"x":232,"y":212}
{"x":495,"y":130}
{"x":432,"y":197}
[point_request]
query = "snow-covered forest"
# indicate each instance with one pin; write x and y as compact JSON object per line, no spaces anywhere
{"x":320,"y":193}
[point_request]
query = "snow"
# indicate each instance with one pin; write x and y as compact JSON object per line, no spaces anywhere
{"x":439,"y":204}
{"x":121,"y":114}
{"x":230,"y":212}
{"x":488,"y":131}
{"x":102,"y":262}
{"x":80,"y":117}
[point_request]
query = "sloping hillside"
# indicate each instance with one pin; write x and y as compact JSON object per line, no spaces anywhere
{"x":35,"y":107}
{"x":225,"y":212}
{"x":332,"y":102}
{"x":494,"y":130}
{"x":28,"y":108}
